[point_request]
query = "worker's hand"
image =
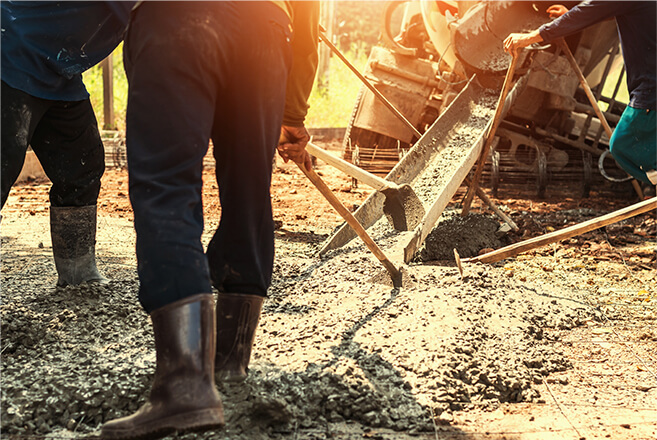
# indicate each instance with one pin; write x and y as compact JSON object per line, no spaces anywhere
{"x":292,"y":145}
{"x":556,"y":11}
{"x":517,"y":41}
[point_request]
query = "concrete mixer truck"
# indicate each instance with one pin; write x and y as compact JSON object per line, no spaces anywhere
{"x":550,"y":136}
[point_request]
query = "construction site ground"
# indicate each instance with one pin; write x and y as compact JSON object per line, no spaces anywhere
{"x":557,"y":343}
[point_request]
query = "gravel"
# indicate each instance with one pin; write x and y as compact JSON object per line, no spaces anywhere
{"x":336,"y":344}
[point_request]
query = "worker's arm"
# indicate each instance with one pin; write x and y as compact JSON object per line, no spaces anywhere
{"x":294,"y":135}
{"x":517,"y":41}
{"x":556,"y":11}
{"x":575,"y":20}
{"x":304,"y":61}
{"x":580,"y":17}
{"x":292,"y":145}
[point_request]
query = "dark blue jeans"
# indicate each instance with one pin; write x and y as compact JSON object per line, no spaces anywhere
{"x":199,"y":71}
{"x":64,"y":136}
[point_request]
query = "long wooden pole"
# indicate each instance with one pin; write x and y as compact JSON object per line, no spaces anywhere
{"x":571,"y":231}
{"x":369,"y":85}
{"x":585,"y":85}
{"x":484,"y":198}
{"x":350,"y":169}
{"x":594,"y":103}
{"x":474,"y":184}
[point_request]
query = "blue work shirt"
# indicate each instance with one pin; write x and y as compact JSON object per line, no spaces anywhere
{"x":635,"y":21}
{"x":46,"y":45}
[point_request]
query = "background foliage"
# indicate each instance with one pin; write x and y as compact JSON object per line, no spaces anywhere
{"x":357,"y":26}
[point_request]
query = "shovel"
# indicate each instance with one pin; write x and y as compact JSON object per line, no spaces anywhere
{"x":402,"y":207}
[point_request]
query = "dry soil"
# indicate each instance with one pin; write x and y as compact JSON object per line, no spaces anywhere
{"x":556,"y":343}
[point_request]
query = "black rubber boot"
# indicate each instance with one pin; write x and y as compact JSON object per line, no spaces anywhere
{"x":73,"y":233}
{"x":183,"y":396}
{"x":237,"y":319}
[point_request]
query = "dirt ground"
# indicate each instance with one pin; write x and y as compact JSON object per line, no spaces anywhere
{"x":556,"y":343}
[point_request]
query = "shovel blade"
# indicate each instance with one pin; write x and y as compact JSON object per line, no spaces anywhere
{"x":403,"y":208}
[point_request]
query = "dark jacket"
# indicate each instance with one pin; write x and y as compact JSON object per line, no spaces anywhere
{"x":47,"y":45}
{"x":305,"y":25}
{"x":636,"y":22}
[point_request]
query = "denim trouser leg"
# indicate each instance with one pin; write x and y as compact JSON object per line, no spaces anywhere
{"x":198,"y":71}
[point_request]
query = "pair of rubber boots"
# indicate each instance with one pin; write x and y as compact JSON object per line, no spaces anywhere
{"x":193,"y":346}
{"x":73,"y":234}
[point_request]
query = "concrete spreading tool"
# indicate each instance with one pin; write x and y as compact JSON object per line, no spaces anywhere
{"x":395,"y":274}
{"x":402,"y":207}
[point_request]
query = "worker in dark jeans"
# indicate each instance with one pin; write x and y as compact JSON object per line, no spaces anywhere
{"x":199,"y":71}
{"x":634,"y":142}
{"x":45,"y":48}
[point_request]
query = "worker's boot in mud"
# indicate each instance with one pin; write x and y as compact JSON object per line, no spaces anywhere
{"x":237,"y":319}
{"x":73,"y":233}
{"x":183,"y":395}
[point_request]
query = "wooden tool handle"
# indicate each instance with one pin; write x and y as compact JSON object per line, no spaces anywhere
{"x":369,"y":85}
{"x":594,"y":102}
{"x":489,"y":137}
{"x":482,"y":195}
{"x":348,"y":168}
{"x":351,"y":220}
{"x":571,"y":231}
{"x":585,"y":85}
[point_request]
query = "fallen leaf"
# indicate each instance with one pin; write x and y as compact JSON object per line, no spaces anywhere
{"x":600,"y":331}
{"x":645,"y":387}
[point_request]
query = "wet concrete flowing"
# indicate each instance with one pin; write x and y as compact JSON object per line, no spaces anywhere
{"x":340,"y":352}
{"x":337,"y":343}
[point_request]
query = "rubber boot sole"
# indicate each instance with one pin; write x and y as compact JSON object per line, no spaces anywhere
{"x":227,"y":377}
{"x":196,"y":421}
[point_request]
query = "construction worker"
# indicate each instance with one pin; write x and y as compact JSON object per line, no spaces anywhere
{"x":634,"y":142}
{"x":45,"y":48}
{"x":238,"y":73}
